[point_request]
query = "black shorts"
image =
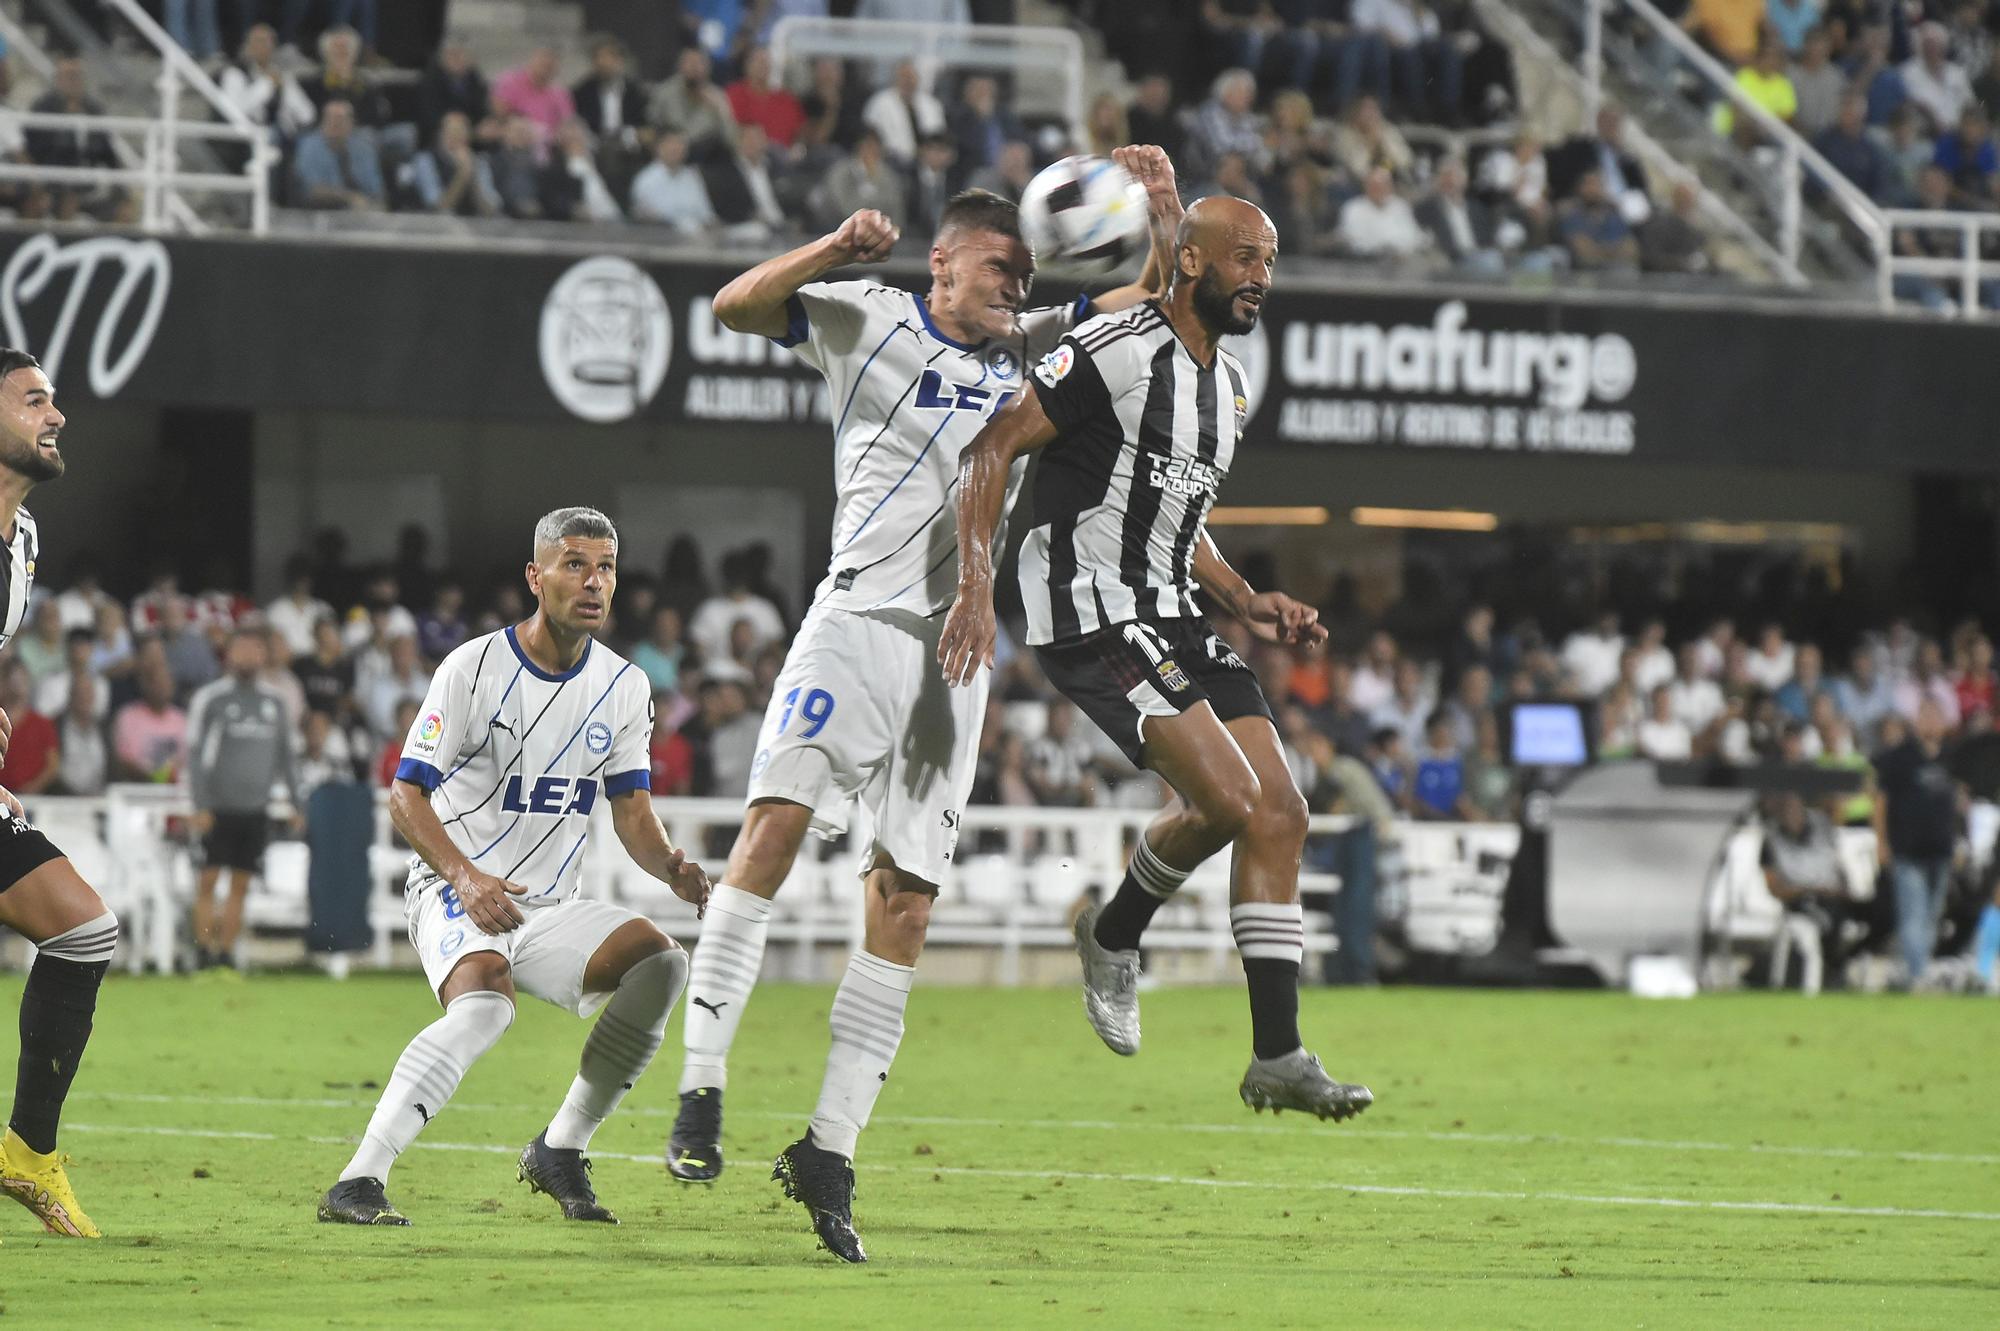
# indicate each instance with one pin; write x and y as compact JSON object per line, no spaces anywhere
{"x":237,"y":841}
{"x":22,"y":850}
{"x":1121,"y":675}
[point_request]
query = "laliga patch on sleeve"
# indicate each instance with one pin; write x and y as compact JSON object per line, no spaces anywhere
{"x":1056,"y":365}
{"x":429,"y":730}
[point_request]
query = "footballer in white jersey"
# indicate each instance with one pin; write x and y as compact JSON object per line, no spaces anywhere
{"x":860,"y":712}
{"x":523,"y":733}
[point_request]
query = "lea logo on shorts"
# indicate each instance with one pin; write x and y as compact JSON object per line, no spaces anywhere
{"x":550,"y":794}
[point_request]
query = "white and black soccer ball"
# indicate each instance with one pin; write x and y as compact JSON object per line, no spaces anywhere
{"x":1085,"y":212}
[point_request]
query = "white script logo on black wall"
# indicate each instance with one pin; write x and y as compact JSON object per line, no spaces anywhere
{"x":34,"y":267}
{"x":606,"y":338}
{"x":1442,"y":385}
{"x":744,"y":377}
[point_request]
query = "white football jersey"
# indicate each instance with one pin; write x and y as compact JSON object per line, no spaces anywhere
{"x":515,"y":758}
{"x":17,"y":575}
{"x":906,"y":399}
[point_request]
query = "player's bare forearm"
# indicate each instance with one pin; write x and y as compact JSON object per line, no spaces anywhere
{"x":411,"y":814}
{"x":754,"y":302}
{"x":1272,"y":616}
{"x":645,"y":840}
{"x":1154,"y":170}
{"x":966,"y":642}
{"x":1224,"y":584}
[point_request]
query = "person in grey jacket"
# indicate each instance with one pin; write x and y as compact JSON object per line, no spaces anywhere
{"x":239,"y":747}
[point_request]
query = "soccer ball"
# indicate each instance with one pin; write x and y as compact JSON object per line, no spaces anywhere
{"x":1085,"y":212}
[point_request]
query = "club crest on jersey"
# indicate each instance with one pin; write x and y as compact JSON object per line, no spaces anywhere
{"x":939,"y":393}
{"x":1242,"y":411}
{"x":1172,"y":675}
{"x":1055,"y":366}
{"x":1001,"y":362}
{"x":550,"y":794}
{"x":597,"y":737}
{"x":429,"y":730}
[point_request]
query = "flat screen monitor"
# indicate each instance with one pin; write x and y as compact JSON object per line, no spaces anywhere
{"x":1549,"y":734}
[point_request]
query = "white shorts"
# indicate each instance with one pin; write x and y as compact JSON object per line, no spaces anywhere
{"x":861,"y":711}
{"x":547,"y":953}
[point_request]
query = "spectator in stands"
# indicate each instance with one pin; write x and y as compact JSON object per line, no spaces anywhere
{"x":1374,"y":681}
{"x":1973,"y":679}
{"x":670,"y":191}
{"x":1388,"y":761}
{"x":1241,"y":31}
{"x":1730,"y":29}
{"x":532,"y":91}
{"x":1769,"y":88}
{"x":1932,"y":82}
{"x":112,"y":653}
{"x":863,"y":180}
{"x":690,"y":103}
{"x":710,"y":628}
{"x":69,"y":95}
{"x":1906,"y":153}
{"x":902,"y":113}
{"x":1968,"y":157}
{"x":80,"y":743}
{"x":1059,"y":762}
{"x":1517,"y":183}
{"x":1797,"y":694}
{"x":189,"y":654}
{"x":41,"y":648}
{"x":1227,"y":122}
{"x":450,"y":178}
{"x":1927,"y":682}
{"x":337,"y":169}
{"x":341,"y":78}
{"x":731,"y":730}
{"x":1104,"y":126}
{"x":1916,"y":832}
{"x":517,"y":169}
{"x":1595,"y":232}
{"x":1697,"y":699}
{"x":571,"y":188}
{"x":1491,"y":787}
{"x":149,"y":734}
{"x":1604,"y":152}
{"x":387,"y":683}
{"x":324,"y":757}
{"x":1461,"y":228}
{"x":1866,"y":695}
{"x":1774,"y":660}
{"x":663,"y":653}
{"x":741,"y":189}
{"x":295,"y":613}
{"x":1429,"y":68}
{"x":1663,"y":735}
{"x":326,"y":675}
{"x":266,"y":92}
{"x":1366,"y":140}
{"x":32,"y":761}
{"x":1673,"y":241}
{"x":610,"y":101}
{"x":1471,"y":699}
{"x":1409,"y":707}
{"x":1591,"y":656}
{"x":1818,"y":83}
{"x":51,"y":692}
{"x":757,"y":98}
{"x":389,"y":748}
{"x":1152,"y":117}
{"x":1438,"y":789}
{"x":930,"y":183}
{"x":452,"y":82}
{"x":1303,"y":210}
{"x":1009,"y":176}
{"x":1232,"y":176}
{"x":980,"y":125}
{"x":1791,"y":21}
{"x":833,"y":112}
{"x":1378,"y":222}
{"x":1849,"y":147}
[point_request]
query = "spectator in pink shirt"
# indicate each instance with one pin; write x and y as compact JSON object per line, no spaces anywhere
{"x":532,"y":91}
{"x":149,"y":736}
{"x":757,"y":98}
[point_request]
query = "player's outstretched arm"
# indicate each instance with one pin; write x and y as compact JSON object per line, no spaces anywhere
{"x":755,"y":301}
{"x":1272,"y":616}
{"x":485,"y":898}
{"x":1154,"y":170}
{"x":967,"y":641}
{"x":645,"y":840}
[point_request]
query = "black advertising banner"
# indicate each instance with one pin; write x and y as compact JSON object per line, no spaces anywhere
{"x":489,"y":334}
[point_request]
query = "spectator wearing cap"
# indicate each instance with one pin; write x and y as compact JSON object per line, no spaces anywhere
{"x":902,"y":113}
{"x":670,"y":191}
{"x":532,"y":91}
{"x":1933,"y":83}
{"x":758,"y":98}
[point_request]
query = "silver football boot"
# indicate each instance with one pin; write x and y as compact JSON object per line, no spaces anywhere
{"x":1110,"y":987}
{"x":1297,"y":1081}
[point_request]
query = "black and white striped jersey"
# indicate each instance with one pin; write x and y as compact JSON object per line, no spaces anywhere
{"x":1147,"y":435}
{"x":17,"y":575}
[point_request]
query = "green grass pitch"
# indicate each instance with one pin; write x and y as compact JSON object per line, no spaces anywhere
{"x":1533,"y":1160}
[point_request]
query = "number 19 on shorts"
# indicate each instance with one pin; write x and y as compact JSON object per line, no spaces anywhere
{"x":815,"y":711}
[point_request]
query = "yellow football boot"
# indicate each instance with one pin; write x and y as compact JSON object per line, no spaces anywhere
{"x":38,"y":1182}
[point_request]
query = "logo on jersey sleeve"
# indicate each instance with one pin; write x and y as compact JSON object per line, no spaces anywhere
{"x":429,"y":731}
{"x":597,"y":737}
{"x":1055,"y":366}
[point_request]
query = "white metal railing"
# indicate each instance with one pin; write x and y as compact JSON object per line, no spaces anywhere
{"x":152,"y":171}
{"x":1507,"y":23}
{"x":1968,"y":270}
{"x":1024,"y":51}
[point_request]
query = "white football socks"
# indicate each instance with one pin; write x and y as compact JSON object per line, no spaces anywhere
{"x":867,"y":1022}
{"x":621,"y":1044}
{"x":426,"y":1076}
{"x":727,"y":960}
